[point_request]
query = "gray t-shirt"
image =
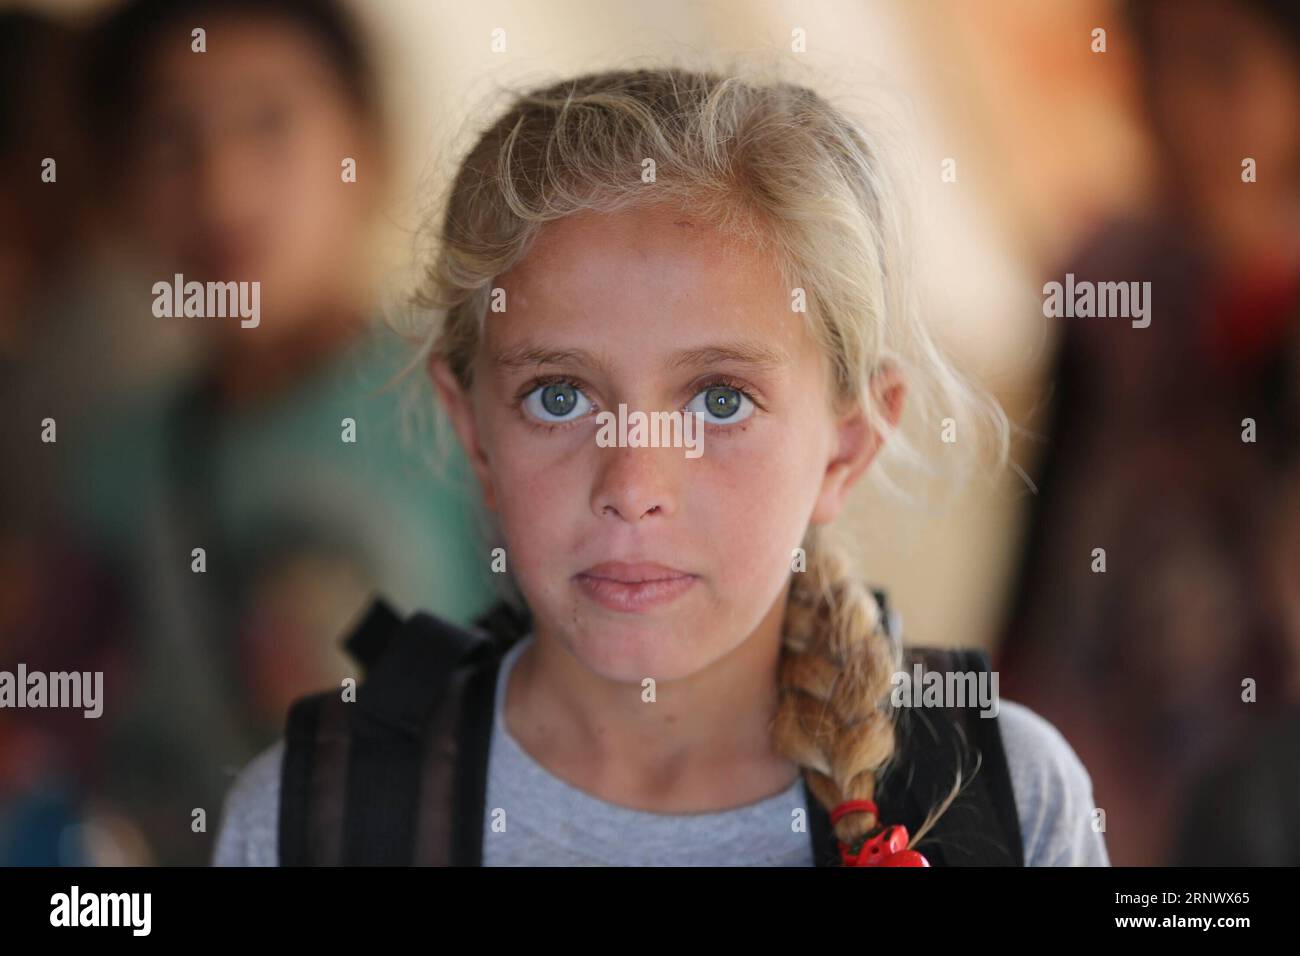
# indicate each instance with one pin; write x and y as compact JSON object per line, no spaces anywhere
{"x":548,"y":822}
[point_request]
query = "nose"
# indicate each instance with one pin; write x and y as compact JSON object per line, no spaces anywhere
{"x":224,"y":176}
{"x":635,"y":484}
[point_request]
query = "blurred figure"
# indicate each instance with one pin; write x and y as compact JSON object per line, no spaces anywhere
{"x":226,"y":164}
{"x":60,"y":609}
{"x":40,"y":169}
{"x":1174,"y":447}
{"x":257,"y":489}
{"x":1241,"y":810}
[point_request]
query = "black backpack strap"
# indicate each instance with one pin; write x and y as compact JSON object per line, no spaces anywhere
{"x":371,"y":637}
{"x":297,"y":770}
{"x":313,"y":777}
{"x":394,"y":706}
{"x":313,"y":773}
{"x":472,"y":738}
{"x":981,"y":827}
{"x":376,"y":782}
{"x":826,"y":851}
{"x":505,"y":623}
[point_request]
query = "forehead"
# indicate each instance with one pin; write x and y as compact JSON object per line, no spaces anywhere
{"x":665,"y":239}
{"x":245,"y":54}
{"x":652,"y":278}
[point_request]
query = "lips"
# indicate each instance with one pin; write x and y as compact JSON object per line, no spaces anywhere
{"x":634,"y":586}
{"x":634,"y":572}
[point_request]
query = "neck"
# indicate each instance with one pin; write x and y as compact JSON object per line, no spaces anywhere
{"x":703,"y":745}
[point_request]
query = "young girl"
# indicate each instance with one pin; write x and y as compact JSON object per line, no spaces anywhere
{"x":700,"y":657}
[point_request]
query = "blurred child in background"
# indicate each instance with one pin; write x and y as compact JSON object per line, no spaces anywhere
{"x":1175,"y":447}
{"x":226,"y":133}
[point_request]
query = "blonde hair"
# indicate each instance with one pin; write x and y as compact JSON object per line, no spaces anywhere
{"x":772,"y":162}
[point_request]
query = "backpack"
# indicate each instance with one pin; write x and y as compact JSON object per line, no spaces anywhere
{"x":399,"y":776}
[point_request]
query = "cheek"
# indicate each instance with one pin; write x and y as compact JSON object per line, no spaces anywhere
{"x":162,"y":212}
{"x":541,"y":484}
{"x":312,"y":235}
{"x":1267,"y":117}
{"x":309,"y":207}
{"x":752,"y":496}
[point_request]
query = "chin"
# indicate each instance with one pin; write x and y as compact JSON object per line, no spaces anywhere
{"x":622,"y":648}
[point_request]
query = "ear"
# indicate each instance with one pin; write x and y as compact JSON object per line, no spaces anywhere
{"x":857,"y":442}
{"x":460,"y":411}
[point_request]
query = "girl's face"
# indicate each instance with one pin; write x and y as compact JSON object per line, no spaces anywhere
{"x":1221,"y":75}
{"x":642,"y":561}
{"x":237,"y":169}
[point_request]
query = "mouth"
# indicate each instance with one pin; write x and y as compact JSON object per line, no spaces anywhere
{"x":632,"y":587}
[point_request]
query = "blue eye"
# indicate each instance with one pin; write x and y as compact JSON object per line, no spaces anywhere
{"x":556,"y":402}
{"x":722,"y":404}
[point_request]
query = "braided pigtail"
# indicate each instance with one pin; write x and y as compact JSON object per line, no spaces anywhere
{"x":837,"y":665}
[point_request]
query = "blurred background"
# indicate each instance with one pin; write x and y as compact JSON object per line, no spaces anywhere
{"x":1116,"y":156}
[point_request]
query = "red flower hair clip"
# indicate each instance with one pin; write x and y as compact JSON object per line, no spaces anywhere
{"x":887,"y":848}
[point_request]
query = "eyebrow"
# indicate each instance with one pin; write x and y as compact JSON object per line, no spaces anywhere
{"x":739,"y":353}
